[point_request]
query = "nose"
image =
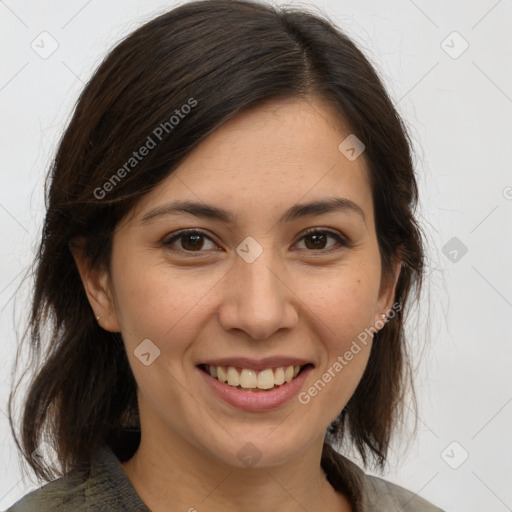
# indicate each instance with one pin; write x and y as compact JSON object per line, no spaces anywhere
{"x":258,"y":298}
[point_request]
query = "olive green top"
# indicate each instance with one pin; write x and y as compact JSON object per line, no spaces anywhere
{"x":106,"y":487}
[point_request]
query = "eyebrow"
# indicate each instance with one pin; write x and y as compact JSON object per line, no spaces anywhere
{"x":206,"y":211}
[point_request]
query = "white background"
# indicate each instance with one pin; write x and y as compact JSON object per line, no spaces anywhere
{"x":459,"y":112}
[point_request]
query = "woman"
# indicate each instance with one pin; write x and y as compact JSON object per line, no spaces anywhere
{"x":228,"y":250}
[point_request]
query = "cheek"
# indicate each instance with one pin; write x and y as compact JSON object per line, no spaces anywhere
{"x":152,"y":300}
{"x":139,"y":292}
{"x":343,"y":314}
{"x":344,"y":301}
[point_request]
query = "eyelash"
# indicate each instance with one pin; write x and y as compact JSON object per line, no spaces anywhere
{"x":342,"y":241}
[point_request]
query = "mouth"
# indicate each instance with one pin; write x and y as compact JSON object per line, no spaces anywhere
{"x":251,"y":380}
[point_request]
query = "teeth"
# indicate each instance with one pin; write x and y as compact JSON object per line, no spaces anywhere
{"x":279,"y":376}
{"x":248,"y":378}
{"x":233,"y":377}
{"x":251,"y":379}
{"x":221,"y":374}
{"x":265,"y":379}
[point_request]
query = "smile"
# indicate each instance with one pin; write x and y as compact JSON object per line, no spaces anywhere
{"x":254,"y":390}
{"x":249,"y":379}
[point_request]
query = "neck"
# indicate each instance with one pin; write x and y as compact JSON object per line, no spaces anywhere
{"x":171,"y":475}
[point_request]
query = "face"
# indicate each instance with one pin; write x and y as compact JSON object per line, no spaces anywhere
{"x":272,"y":285}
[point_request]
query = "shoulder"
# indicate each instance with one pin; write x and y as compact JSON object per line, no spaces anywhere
{"x":103,"y":486}
{"x":369,"y":493}
{"x":382,"y":495}
{"x":65,"y":493}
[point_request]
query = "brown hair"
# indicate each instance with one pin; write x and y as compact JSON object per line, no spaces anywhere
{"x":226,"y":56}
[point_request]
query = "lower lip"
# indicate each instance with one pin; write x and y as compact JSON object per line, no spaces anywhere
{"x":256,"y":400}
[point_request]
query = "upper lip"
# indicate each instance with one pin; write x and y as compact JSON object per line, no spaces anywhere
{"x":257,"y":364}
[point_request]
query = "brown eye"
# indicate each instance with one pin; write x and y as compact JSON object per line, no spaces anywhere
{"x":190,"y":241}
{"x":317,"y":239}
{"x":193,"y":241}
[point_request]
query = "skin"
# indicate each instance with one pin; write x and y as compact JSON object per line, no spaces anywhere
{"x":294,"y":299}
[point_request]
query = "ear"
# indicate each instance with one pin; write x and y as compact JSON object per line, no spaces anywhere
{"x":387,"y":291}
{"x":97,"y":287}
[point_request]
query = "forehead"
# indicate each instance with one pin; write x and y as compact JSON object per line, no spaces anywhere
{"x":265,"y":159}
